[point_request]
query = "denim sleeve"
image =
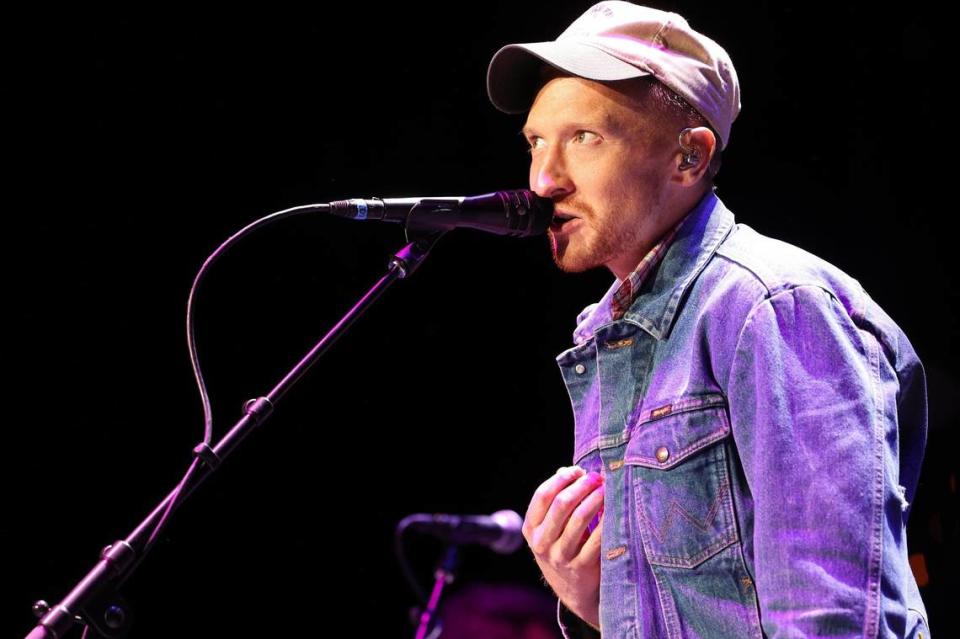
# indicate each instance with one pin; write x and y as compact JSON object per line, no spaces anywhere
{"x":807,"y":418}
{"x":572,"y":626}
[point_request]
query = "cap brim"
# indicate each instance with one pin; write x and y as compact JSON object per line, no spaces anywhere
{"x":513,"y":76}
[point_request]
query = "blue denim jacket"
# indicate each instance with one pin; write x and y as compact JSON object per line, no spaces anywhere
{"x":760,"y":423}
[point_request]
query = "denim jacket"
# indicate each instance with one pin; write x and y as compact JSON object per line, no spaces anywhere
{"x":759,"y":421}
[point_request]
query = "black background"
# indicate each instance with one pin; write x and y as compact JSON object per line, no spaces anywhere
{"x":138,"y":141}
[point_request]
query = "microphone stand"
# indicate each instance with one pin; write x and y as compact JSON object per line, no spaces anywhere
{"x":445,"y":574}
{"x":94,"y":601}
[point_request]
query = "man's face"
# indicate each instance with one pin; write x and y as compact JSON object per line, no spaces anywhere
{"x":605,"y":161}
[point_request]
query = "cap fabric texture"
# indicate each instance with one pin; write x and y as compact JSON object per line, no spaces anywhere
{"x":620,"y":40}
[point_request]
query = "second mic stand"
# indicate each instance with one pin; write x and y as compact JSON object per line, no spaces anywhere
{"x":444,"y":575}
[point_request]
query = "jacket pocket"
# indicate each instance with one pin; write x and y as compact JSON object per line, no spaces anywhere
{"x":677,"y":455}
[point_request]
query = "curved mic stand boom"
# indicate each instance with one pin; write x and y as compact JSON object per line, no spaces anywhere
{"x":94,"y":601}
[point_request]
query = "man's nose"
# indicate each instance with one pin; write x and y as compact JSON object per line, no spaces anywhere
{"x":548,"y":176}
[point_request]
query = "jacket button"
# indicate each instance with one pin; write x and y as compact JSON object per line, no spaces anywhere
{"x":580,"y":368}
{"x":663,"y":454}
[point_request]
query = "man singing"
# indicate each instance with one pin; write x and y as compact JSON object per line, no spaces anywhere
{"x":749,"y":423}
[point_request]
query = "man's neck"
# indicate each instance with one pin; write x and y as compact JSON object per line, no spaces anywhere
{"x":624,"y":268}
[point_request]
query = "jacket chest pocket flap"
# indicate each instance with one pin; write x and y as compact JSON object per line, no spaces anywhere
{"x":677,"y":456}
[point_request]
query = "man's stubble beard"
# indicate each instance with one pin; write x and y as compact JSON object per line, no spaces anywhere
{"x":605,"y":243}
{"x":586,"y":254}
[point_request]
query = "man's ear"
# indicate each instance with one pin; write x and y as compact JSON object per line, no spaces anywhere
{"x":696,"y":149}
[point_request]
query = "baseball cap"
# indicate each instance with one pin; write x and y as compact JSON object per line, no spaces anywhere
{"x":619,"y":40}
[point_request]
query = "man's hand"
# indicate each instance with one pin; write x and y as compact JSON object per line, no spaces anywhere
{"x":556,"y":531}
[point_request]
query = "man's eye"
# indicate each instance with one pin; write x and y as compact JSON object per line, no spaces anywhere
{"x":585,"y":136}
{"x":533,"y":144}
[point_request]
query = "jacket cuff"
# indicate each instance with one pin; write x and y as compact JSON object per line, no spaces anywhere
{"x":572,"y":626}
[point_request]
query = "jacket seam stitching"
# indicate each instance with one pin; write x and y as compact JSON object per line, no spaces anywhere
{"x":872,"y":612}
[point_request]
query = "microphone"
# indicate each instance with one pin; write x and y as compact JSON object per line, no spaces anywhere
{"x":518,"y":213}
{"x":499,"y":531}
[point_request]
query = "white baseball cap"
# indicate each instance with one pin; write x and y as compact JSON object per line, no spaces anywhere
{"x":619,"y":40}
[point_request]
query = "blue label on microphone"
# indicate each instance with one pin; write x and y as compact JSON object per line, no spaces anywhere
{"x":361,"y":207}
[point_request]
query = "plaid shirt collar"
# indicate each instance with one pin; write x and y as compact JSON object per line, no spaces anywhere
{"x":627,"y":291}
{"x":618,"y":300}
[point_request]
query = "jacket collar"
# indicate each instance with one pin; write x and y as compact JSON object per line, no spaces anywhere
{"x":655,"y":308}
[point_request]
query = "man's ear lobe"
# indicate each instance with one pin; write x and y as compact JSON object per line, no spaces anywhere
{"x":697,"y":146}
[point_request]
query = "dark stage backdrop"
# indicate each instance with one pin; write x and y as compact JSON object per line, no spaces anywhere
{"x":139,"y":141}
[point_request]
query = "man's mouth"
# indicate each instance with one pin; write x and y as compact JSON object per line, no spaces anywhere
{"x":560,"y":220}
